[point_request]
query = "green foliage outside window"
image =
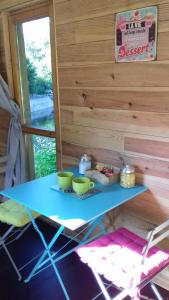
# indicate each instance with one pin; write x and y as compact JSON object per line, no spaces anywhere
{"x":44,"y":155}
{"x":38,"y":85}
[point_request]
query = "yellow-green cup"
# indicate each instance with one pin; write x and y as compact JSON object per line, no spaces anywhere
{"x":82,"y":185}
{"x":64,"y":180}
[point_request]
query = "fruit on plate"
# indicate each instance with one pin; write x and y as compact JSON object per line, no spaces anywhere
{"x":106,"y":170}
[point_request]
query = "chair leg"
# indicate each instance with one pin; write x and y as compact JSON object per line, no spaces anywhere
{"x":145,"y":297}
{"x":23,"y":231}
{"x":156,"y":292}
{"x":102,"y":287}
{"x":120,"y":296}
{"x":12,"y":261}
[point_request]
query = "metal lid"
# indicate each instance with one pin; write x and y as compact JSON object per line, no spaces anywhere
{"x":85,"y":157}
{"x":127,"y":169}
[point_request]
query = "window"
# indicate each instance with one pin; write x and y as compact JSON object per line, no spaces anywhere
{"x":34,"y":71}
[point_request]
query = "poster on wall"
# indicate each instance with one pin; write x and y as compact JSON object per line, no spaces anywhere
{"x":136,"y":35}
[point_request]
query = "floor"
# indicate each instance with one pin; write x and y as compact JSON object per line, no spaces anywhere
{"x":77,"y":277}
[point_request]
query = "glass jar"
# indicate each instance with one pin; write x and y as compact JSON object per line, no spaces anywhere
{"x":84,"y":164}
{"x":127,"y":176}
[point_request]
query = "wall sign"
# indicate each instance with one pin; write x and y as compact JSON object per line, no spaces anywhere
{"x":136,"y":35}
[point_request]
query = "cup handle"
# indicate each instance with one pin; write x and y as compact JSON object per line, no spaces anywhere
{"x":92,"y":184}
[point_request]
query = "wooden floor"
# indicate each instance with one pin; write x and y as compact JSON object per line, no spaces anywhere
{"x":77,"y":277}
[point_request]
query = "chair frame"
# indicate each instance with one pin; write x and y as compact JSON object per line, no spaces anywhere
{"x":152,"y":239}
{"x":7,"y":238}
{"x":12,"y":233}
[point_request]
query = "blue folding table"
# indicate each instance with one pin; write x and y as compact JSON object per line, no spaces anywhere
{"x":68,"y":211}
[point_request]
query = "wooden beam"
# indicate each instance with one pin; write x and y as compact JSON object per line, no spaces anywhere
{"x":148,"y":147}
{"x":17,"y":4}
{"x":37,"y":131}
{"x":8,"y":63}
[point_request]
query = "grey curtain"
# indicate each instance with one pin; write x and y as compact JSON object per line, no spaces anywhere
{"x":15,"y":173}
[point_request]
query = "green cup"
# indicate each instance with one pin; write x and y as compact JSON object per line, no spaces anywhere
{"x":82,"y":185}
{"x":64,"y":180}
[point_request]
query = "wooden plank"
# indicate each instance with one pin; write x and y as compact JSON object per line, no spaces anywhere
{"x":27,"y":14}
{"x":38,"y":131}
{"x":7,"y":52}
{"x":14,"y":4}
{"x":72,"y":133}
{"x":3,"y":147}
{"x":66,"y":116}
{"x":153,"y":167}
{"x":70,"y":161}
{"x":4,"y":75}
{"x":139,"y":224}
{"x":5,"y":118}
{"x":15,"y":62}
{"x":90,"y":52}
{"x":92,"y":30}
{"x":145,"y":146}
{"x":158,"y":186}
{"x":2,"y":52}
{"x":69,"y":11}
{"x":96,"y":29}
{"x":163,"y":28}
{"x":163,"y":12}
{"x":152,"y":124}
{"x":133,"y":99}
{"x":163,"y":46}
{"x":103,"y":51}
{"x":97,"y":138}
{"x":149,"y":207}
{"x":55,"y":84}
{"x":109,"y":75}
{"x":114,"y":140}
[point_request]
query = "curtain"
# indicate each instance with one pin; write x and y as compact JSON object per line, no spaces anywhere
{"x":15,"y":173}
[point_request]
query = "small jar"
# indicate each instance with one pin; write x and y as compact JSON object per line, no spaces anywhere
{"x":127,"y":176}
{"x":84,"y":164}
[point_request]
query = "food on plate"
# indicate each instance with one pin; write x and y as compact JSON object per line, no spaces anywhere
{"x":106,"y":170}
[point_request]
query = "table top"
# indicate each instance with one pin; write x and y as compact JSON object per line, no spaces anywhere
{"x":64,"y":208}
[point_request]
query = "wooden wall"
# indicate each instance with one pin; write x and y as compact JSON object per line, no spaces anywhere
{"x":115,"y":111}
{"x":4,"y":116}
{"x":111,"y":110}
{"x":2,"y":52}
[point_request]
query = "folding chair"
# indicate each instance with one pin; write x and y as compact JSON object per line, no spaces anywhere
{"x":126,"y":261}
{"x":14,"y":215}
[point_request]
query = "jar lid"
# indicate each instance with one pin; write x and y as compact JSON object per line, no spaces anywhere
{"x":85,"y":157}
{"x":127,"y":169}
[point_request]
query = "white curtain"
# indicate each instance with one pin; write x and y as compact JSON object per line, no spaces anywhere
{"x":15,"y":173}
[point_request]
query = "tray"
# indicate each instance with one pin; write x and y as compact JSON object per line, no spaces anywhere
{"x":90,"y":193}
{"x":97,"y":176}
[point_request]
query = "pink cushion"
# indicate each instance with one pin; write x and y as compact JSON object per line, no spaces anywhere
{"x":117,"y":256}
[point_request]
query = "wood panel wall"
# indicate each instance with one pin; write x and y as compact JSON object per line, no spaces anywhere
{"x":4,"y":124}
{"x":115,"y":111}
{"x":2,"y":52}
{"x":4,"y":116}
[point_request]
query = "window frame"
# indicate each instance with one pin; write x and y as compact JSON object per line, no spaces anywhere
{"x":29,"y":14}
